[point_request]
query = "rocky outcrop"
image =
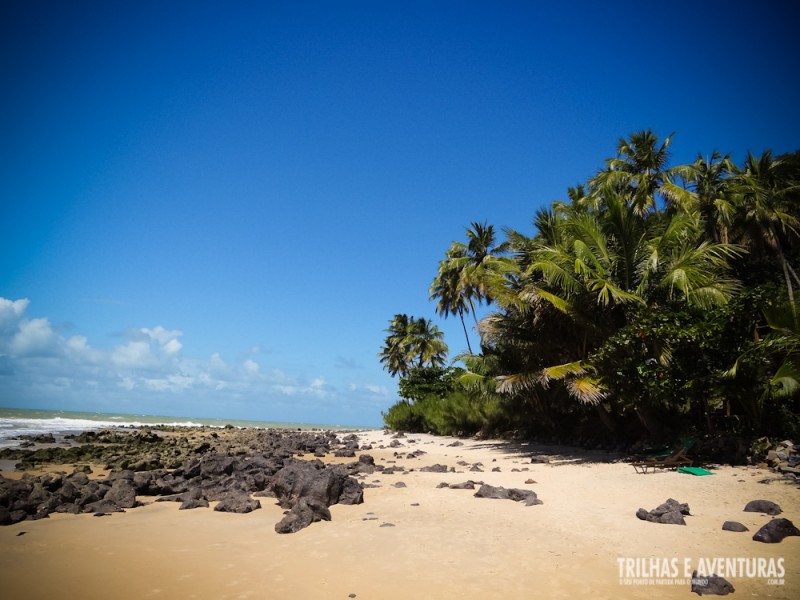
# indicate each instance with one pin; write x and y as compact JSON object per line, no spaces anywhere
{"x":670,"y":512}
{"x":784,"y":457}
{"x":195,"y":467}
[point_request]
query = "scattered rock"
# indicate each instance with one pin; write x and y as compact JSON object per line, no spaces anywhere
{"x":774,"y":531}
{"x":437,"y":468}
{"x":527,"y":497}
{"x":734,"y":526}
{"x":467,"y":485}
{"x":763,"y":506}
{"x":712,"y":585}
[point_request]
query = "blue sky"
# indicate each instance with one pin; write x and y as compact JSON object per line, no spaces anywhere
{"x":213,"y":209}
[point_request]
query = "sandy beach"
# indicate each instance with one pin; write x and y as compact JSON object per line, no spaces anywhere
{"x":420,"y":541}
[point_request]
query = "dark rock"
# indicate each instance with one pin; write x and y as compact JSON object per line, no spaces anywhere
{"x":194,"y":503}
{"x":435,"y":469}
{"x":302,"y":514}
{"x":774,"y":531}
{"x":766,"y":507}
{"x":734,"y":526}
{"x":670,"y":512}
{"x":352,"y":492}
{"x":466,"y":485}
{"x":527,"y":497}
{"x":121,"y":494}
{"x":711,"y":585}
{"x":216,"y":465}
{"x":40,"y":438}
{"x":305,"y":479}
{"x":237,"y":502}
{"x":148,"y":437}
{"x":101,"y":506}
{"x":456,"y":444}
{"x":399,"y":484}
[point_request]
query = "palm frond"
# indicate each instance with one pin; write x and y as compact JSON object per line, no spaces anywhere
{"x":786,"y":380}
{"x":587,"y":389}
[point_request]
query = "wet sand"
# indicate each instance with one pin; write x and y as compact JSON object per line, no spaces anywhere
{"x":417,"y":541}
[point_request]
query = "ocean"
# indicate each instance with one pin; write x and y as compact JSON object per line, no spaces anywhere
{"x":22,"y":421}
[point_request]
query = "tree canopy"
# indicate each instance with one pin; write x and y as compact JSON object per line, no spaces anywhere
{"x":655,"y":299}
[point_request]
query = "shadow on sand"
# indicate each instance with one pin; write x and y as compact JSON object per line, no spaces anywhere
{"x":552,"y":454}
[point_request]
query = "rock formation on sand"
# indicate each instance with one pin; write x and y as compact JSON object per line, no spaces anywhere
{"x":774,"y":531}
{"x":670,"y":512}
{"x":227,"y":467}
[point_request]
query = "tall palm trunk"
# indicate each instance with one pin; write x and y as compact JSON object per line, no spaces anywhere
{"x":464,"y":325}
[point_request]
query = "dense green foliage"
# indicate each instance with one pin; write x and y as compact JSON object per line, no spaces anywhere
{"x":654,"y":301}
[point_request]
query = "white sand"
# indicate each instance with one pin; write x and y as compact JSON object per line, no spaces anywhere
{"x":452,"y":545}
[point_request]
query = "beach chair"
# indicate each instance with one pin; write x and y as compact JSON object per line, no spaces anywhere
{"x":673,"y":460}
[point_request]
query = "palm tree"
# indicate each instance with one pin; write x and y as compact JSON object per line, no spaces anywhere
{"x":637,"y":172}
{"x":394,"y":352}
{"x":412,"y":342}
{"x":485,"y":269}
{"x":470,"y":273}
{"x":427,"y":343}
{"x":594,"y":266}
{"x":709,"y":193}
{"x":766,"y":214}
{"x":446,"y":289}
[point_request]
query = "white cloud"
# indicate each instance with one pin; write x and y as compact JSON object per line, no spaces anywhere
{"x":78,"y":347}
{"x":133,"y":355}
{"x":11,"y":311}
{"x":161,"y":335}
{"x":34,"y":337}
{"x":378,"y":390}
{"x":40,"y":366}
{"x":172,"y":347}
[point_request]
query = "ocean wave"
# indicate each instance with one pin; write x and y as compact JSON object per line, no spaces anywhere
{"x":13,"y":427}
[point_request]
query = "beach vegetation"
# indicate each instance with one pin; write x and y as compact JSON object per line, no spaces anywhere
{"x":654,"y":301}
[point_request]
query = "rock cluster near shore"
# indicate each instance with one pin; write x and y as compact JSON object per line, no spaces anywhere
{"x":784,"y":457}
{"x":194,"y":468}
